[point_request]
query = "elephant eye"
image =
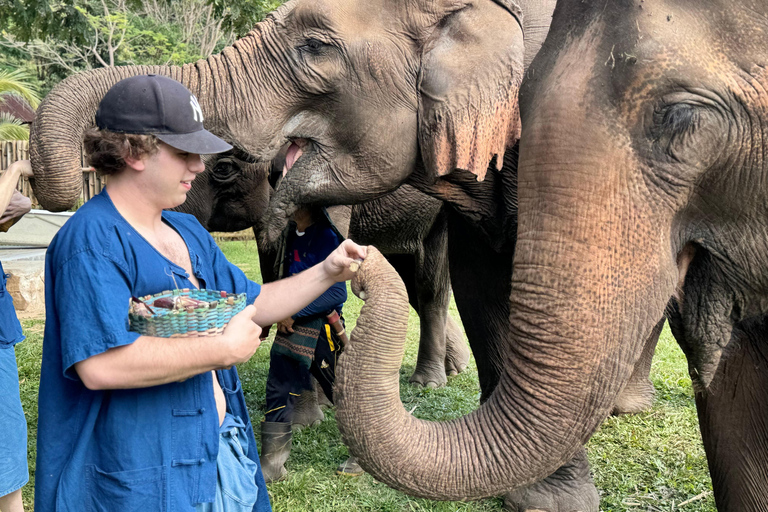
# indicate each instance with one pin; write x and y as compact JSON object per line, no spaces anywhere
{"x":225,"y":171}
{"x":313,"y":45}
{"x":689,"y":133}
{"x":673,"y":124}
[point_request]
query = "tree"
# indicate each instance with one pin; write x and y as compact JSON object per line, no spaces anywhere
{"x":63,"y":37}
{"x":16,"y":83}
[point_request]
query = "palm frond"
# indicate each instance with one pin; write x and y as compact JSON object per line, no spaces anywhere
{"x":19,"y":83}
{"x":12,"y":129}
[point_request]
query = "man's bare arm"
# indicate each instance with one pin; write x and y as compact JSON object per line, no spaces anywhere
{"x":151,"y":361}
{"x":281,"y":299}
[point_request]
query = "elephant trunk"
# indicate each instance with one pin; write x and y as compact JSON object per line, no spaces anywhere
{"x":588,"y":287}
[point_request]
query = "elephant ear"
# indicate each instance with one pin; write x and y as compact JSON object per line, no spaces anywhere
{"x":471,"y":69}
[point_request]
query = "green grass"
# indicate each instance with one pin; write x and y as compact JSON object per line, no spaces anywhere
{"x":647,"y":462}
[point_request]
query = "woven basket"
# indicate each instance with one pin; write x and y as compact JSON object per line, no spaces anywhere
{"x":206,"y":319}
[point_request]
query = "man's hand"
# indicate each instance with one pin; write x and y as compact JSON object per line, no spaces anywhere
{"x":241,"y":337}
{"x":337,"y":264}
{"x":285,"y":326}
{"x":17,"y":207}
{"x":24,"y":167}
{"x":13,"y":205}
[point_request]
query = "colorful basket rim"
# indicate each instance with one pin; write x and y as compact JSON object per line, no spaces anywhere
{"x":204,"y":320}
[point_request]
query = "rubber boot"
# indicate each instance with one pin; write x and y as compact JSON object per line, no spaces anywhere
{"x":275,"y":448}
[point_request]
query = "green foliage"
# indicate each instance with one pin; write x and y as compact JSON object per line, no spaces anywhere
{"x":16,"y":83}
{"x":645,"y":462}
{"x":19,"y":83}
{"x":42,"y":19}
{"x":241,"y":15}
{"x":152,"y":42}
{"x":58,"y":38}
{"x":11,"y":128}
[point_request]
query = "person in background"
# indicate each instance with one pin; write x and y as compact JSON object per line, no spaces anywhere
{"x":135,"y":422}
{"x":306,"y":343}
{"x":14,"y":473}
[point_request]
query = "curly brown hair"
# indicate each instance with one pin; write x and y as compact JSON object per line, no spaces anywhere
{"x":106,"y":151}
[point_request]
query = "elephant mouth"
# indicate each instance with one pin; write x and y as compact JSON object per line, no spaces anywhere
{"x":294,"y":152}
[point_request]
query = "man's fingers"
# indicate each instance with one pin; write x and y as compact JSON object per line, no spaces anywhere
{"x":249,"y":310}
{"x":355,"y":251}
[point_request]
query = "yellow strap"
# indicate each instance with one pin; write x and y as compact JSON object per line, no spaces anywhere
{"x":275,"y":409}
{"x":328,"y":336}
{"x":293,"y":394}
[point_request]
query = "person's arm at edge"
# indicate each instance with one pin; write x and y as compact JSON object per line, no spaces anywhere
{"x":285,"y":297}
{"x":151,"y":361}
{"x":9,"y":179}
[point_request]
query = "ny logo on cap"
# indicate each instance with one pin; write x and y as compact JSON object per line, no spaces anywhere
{"x":197,"y":112}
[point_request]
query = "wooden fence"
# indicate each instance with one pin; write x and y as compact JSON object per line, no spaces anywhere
{"x":11,"y":151}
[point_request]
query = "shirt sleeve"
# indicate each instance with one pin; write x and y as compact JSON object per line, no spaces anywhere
{"x":332,"y":297}
{"x":229,"y":277}
{"x":92,"y":295}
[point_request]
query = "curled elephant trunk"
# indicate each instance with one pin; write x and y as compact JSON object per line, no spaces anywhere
{"x":485,"y":453}
{"x":565,"y":362}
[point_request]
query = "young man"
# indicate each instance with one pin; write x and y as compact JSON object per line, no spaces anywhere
{"x":13,"y":448}
{"x":130,"y":422}
{"x":305,"y":342}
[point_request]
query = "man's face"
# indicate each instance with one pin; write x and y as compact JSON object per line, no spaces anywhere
{"x":169,"y":174}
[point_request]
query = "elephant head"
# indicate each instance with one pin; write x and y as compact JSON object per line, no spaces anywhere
{"x":362,"y":91}
{"x":232,"y":193}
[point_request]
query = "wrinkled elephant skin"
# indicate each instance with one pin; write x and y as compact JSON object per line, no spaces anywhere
{"x":642,"y":160}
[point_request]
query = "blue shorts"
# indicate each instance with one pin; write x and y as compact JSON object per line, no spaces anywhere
{"x":236,"y":489}
{"x":13,"y":426}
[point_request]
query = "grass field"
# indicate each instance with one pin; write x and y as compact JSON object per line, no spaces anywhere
{"x":648,"y":462}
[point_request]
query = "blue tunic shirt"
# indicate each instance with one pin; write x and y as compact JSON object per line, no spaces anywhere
{"x":147,"y":449}
{"x":10,"y":328}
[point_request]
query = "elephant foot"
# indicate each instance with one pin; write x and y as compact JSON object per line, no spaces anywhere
{"x":322,"y":400}
{"x":456,"y":349}
{"x":635,"y":397}
{"x":429,"y":376}
{"x":306,"y":412}
{"x":569,"y":489}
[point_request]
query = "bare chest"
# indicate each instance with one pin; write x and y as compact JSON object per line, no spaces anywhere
{"x":170,"y":244}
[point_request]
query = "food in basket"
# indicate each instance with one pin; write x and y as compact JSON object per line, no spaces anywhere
{"x":185,"y":312}
{"x":180,"y":302}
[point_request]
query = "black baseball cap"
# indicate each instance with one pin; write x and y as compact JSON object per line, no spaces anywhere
{"x":160,"y":106}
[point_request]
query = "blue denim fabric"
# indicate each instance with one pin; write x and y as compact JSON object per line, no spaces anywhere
{"x":236,"y":489}
{"x":13,"y":426}
{"x":147,"y":449}
{"x":10,"y":328}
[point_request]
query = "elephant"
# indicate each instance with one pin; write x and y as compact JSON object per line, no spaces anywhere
{"x":672,"y":201}
{"x":368,"y":100}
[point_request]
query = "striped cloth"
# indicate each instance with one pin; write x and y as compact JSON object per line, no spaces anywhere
{"x":300,"y":345}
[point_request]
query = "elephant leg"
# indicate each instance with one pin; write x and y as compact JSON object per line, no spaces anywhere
{"x":434,"y":294}
{"x":306,"y":411}
{"x":456,"y":349}
{"x":637,"y":395}
{"x":569,"y":489}
{"x":430,"y":365}
{"x":482,"y":297}
{"x":733,"y":417}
